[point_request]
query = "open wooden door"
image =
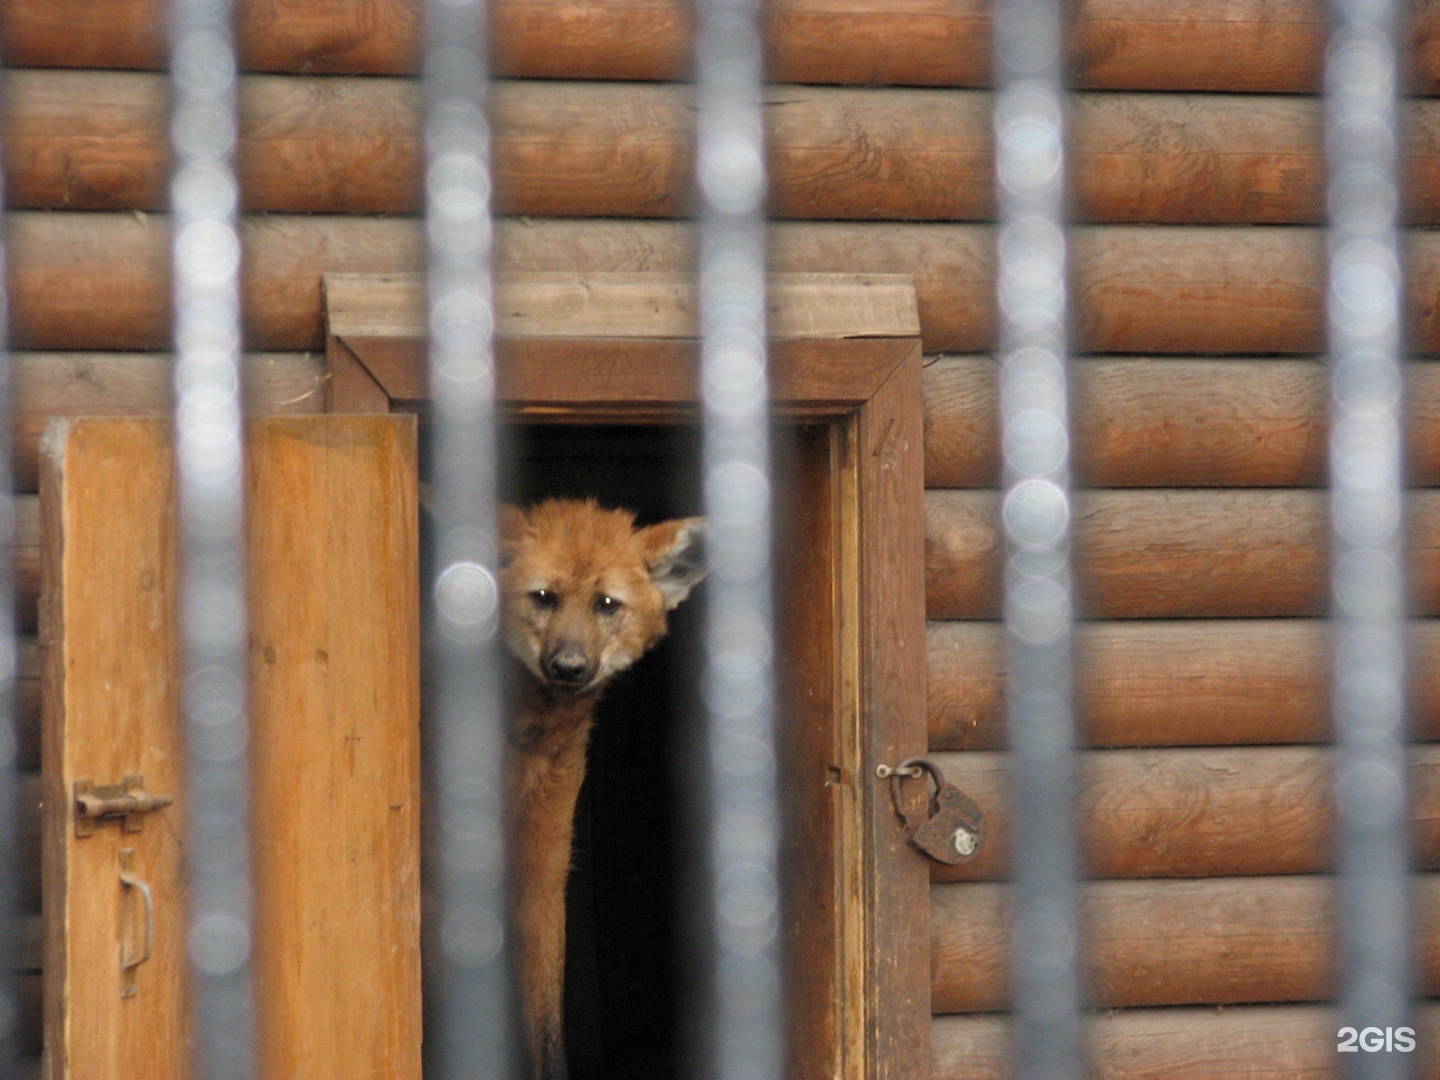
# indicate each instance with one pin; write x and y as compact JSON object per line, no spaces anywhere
{"x":334,"y":696}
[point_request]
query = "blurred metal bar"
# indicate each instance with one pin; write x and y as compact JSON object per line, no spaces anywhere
{"x":1029,"y":120}
{"x":1364,"y":310}
{"x":9,"y":735}
{"x":740,"y":1009}
{"x":475,"y":1006}
{"x":209,"y":451}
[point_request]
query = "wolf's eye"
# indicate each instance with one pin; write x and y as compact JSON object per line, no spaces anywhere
{"x":608,"y":605}
{"x":543,"y":598}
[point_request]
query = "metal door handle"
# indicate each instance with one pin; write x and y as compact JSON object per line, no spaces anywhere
{"x":130,"y":968}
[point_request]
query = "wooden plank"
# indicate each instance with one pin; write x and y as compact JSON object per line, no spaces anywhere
{"x":808,"y":635}
{"x":1168,"y":422}
{"x":112,"y":698}
{"x":887,"y":610}
{"x":1176,"y":554}
{"x":540,"y":304}
{"x":621,"y":380}
{"x":1193,"y":813}
{"x":97,"y":141}
{"x":1276,"y":1042}
{"x":332,"y":540}
{"x":1169,"y":683}
{"x":47,"y":385}
{"x":101,"y":281}
{"x":1251,"y":46}
{"x":1220,"y":941}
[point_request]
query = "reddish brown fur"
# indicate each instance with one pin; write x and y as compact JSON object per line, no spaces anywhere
{"x":577,"y":554}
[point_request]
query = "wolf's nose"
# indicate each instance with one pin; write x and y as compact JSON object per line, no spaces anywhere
{"x":568,"y":666}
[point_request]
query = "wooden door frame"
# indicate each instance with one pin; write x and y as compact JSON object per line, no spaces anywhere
{"x":620,"y":348}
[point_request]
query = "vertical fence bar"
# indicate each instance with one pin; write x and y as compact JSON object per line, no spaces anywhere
{"x":1363,"y":305}
{"x":209,"y":451}
{"x":740,"y":1007}
{"x":475,"y":1007}
{"x":9,"y":734}
{"x":1039,"y":618}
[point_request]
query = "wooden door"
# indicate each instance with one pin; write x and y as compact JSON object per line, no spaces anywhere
{"x":334,"y":693}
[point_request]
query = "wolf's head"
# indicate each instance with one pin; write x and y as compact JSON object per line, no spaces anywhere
{"x":586,"y":592}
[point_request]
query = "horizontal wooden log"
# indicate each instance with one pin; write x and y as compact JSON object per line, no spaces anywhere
{"x":1164,"y":422}
{"x":1218,"y":682}
{"x":1142,"y":684}
{"x":1274,"y":1042}
{"x":1238,"y":46}
{"x":133,"y":384}
{"x":1193,"y":813}
{"x":101,"y":282}
{"x":1169,"y":554}
{"x":1221,"y":941}
{"x":1141,"y":554}
{"x":98,"y":141}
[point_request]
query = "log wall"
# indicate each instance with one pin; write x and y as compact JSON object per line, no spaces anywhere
{"x":1250,"y":46}
{"x":1200,"y":401}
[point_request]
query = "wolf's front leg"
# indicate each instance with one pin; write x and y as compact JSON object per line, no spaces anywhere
{"x":542,"y":833}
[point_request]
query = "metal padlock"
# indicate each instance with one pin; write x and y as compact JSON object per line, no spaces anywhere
{"x":954,"y":829}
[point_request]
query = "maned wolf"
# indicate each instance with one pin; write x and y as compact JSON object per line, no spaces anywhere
{"x":586,"y":594}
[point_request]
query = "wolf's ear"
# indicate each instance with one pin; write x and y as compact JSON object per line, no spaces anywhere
{"x":512,"y":521}
{"x":675,"y":553}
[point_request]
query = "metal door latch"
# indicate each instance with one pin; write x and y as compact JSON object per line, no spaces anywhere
{"x":127,"y":802}
{"x":953,"y":829}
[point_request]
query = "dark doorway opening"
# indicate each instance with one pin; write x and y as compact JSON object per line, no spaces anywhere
{"x":621,"y":979}
{"x":635,"y":879}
